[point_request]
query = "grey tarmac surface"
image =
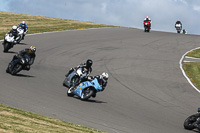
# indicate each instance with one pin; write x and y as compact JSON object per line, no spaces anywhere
{"x":146,"y":92}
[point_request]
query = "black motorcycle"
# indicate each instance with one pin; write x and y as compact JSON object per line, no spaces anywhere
{"x":18,"y":64}
{"x":190,"y":122}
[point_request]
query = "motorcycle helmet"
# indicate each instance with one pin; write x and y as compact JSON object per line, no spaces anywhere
{"x":89,"y":63}
{"x":147,"y":17}
{"x":32,"y":49}
{"x":23,"y":22}
{"x":14,"y":27}
{"x":105,"y":76}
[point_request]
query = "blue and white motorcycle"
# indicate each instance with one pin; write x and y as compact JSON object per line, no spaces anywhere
{"x":85,"y":89}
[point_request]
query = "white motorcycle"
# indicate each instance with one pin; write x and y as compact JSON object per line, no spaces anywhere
{"x":9,"y":42}
{"x":178,"y":28}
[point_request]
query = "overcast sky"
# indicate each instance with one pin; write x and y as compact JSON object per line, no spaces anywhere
{"x":164,"y":13}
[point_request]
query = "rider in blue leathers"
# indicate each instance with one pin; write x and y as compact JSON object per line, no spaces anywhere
{"x":102,"y":79}
{"x":24,"y":26}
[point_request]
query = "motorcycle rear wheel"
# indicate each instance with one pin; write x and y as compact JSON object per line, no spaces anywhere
{"x":87,"y":93}
{"x":188,"y":123}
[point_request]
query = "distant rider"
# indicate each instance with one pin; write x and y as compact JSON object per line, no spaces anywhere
{"x":24,"y":26}
{"x":86,"y":67}
{"x":184,"y":31}
{"x":29,"y":52}
{"x":178,"y":22}
{"x":102,"y":79}
{"x":148,"y":19}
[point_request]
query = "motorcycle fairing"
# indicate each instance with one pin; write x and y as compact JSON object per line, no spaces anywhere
{"x":82,"y":86}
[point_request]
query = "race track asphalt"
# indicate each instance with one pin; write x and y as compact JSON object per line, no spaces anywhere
{"x":146,"y":91}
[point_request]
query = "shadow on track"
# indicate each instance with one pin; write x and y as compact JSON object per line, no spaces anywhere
{"x":23,"y":75}
{"x":90,"y":100}
{"x":12,"y":52}
{"x":22,"y":44}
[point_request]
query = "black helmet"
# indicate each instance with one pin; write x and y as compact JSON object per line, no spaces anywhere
{"x":89,"y":63}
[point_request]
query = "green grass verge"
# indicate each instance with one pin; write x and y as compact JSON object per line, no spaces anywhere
{"x":38,"y":24}
{"x":15,"y":120}
{"x":194,"y":53}
{"x":192,"y":69}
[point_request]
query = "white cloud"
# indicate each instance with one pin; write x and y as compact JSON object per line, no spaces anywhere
{"x":196,"y":8}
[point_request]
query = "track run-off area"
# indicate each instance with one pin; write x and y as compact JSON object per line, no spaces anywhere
{"x":146,"y":92}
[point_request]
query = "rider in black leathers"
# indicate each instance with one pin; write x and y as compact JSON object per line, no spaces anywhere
{"x":30,"y":52}
{"x":87,"y":67}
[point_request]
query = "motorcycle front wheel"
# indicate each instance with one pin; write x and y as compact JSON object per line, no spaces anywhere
{"x":70,"y":92}
{"x":16,"y":69}
{"x":188,"y":123}
{"x":6,"y":47}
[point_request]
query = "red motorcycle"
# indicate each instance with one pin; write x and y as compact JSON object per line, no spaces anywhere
{"x":147,"y":26}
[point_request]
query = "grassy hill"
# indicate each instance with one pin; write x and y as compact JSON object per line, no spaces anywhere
{"x":38,"y":24}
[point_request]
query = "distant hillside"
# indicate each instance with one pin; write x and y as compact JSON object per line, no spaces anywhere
{"x":39,"y":24}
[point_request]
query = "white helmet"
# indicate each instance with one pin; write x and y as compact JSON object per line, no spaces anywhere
{"x":105,"y":76}
{"x":23,"y":22}
{"x":14,"y":27}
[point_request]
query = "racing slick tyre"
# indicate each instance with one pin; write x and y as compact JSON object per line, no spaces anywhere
{"x":188,"y":123}
{"x":87,"y":93}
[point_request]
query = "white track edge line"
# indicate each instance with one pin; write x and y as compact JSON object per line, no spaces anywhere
{"x":181,"y":67}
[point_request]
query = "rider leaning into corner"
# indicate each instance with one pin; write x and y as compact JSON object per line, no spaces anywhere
{"x":29,"y":52}
{"x":102,"y":79}
{"x":24,"y":26}
{"x":86,"y":67}
{"x":197,"y":123}
{"x":14,"y":32}
{"x":148,"y":19}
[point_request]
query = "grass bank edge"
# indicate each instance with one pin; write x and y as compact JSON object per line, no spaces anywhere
{"x":32,"y":120}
